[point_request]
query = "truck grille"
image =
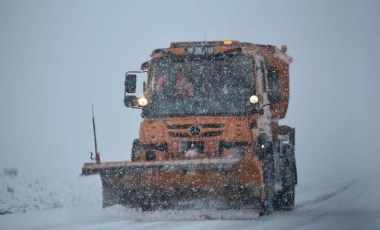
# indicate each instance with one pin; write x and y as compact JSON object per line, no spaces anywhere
{"x":183,"y":130}
{"x":205,"y":134}
{"x":179,"y":126}
{"x":186,"y":126}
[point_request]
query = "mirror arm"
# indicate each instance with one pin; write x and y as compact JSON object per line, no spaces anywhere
{"x":143,"y":71}
{"x":261,"y":110}
{"x":267,"y":105}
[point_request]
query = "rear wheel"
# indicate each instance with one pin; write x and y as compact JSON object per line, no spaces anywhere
{"x":268,"y":161}
{"x":285,"y":198}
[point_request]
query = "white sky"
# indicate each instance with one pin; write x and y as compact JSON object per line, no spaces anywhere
{"x":59,"y":57}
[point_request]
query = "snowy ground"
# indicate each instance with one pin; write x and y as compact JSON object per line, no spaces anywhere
{"x":44,"y":204}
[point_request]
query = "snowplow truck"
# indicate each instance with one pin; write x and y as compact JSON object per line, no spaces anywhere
{"x":210,"y":135}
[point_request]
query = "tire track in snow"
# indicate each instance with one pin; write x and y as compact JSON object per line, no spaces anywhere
{"x":304,"y":217}
{"x":327,"y":196}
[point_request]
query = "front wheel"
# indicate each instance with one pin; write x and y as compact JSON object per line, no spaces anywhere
{"x":135,"y":147}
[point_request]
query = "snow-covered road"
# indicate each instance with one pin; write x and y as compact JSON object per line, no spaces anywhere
{"x":327,"y":204}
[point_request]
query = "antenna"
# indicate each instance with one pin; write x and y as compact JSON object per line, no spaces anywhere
{"x":204,"y":35}
{"x":97,"y":157}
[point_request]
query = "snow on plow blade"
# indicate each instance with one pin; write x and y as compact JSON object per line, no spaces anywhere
{"x":219,"y":183}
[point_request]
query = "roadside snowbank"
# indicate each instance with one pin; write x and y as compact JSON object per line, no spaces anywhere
{"x":22,"y":193}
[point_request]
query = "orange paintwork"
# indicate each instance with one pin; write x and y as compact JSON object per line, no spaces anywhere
{"x":235,"y":129}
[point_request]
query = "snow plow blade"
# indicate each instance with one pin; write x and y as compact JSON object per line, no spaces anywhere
{"x":218,"y":183}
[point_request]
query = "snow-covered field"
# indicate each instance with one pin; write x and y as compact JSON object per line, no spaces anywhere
{"x":38,"y":203}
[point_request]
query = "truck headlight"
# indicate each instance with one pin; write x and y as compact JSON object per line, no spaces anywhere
{"x":142,"y":101}
{"x":254,"y":99}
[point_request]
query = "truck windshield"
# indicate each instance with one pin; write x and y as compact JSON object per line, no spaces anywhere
{"x":200,"y":86}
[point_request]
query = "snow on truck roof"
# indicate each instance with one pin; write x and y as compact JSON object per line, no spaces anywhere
{"x":215,"y":47}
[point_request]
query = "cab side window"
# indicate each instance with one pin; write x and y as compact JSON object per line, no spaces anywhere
{"x":274,"y":94}
{"x":261,"y":78}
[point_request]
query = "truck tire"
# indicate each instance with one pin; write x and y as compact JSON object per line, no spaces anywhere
{"x":268,"y":161}
{"x":285,"y":198}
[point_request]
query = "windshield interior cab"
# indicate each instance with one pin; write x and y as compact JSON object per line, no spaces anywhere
{"x":200,"y":86}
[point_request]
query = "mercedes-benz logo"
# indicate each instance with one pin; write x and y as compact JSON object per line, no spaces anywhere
{"x":195,"y":130}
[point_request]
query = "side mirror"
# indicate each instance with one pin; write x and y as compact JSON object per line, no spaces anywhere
{"x":274,"y":93}
{"x":130,"y":83}
{"x":145,"y":66}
